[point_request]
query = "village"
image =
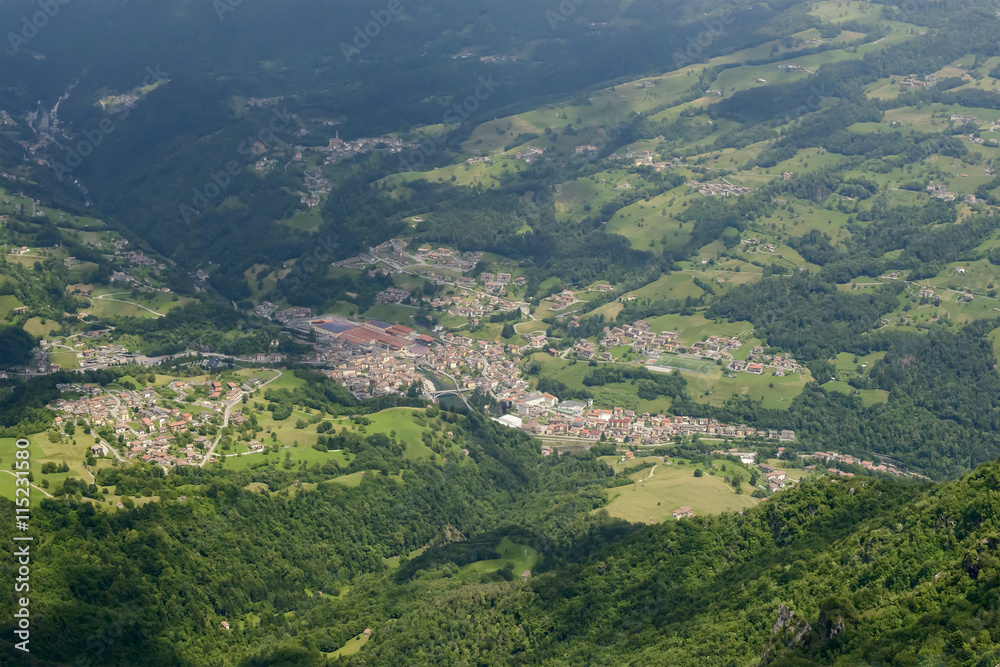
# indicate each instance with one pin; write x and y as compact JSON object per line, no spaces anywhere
{"x":650,"y":347}
{"x":395,"y":256}
{"x":375,"y":358}
{"x":146,"y":425}
{"x":719,"y":189}
{"x":338,"y":148}
{"x":578,"y":420}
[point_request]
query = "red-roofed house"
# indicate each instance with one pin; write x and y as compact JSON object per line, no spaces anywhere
{"x":683,"y":512}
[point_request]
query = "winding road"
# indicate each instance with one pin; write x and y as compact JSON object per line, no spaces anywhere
{"x":104,"y":297}
{"x":225,"y":421}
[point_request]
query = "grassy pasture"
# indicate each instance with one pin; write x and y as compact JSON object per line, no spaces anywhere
{"x":657,"y":492}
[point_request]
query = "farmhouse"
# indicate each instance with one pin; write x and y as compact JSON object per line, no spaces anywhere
{"x":683,"y":512}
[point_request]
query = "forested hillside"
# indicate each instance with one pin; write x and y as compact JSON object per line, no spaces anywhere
{"x":841,"y":572}
{"x":862,"y":571}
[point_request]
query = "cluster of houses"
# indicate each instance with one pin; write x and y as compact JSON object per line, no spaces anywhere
{"x":939,"y":191}
{"x":337,"y":148}
{"x":265,"y":309}
{"x":151,"y":432}
{"x":293,"y":313}
{"x":479,"y":308}
{"x":963,"y":119}
{"x":316,"y":184}
{"x":103,"y":356}
{"x":648,"y":159}
{"x":391,"y":295}
{"x":38,"y":365}
{"x":543,"y":414}
{"x":639,"y":338}
{"x":834,"y":457}
{"x":394,"y":255}
{"x":448,"y":258}
{"x":117,"y":102}
{"x":774,"y":478}
{"x":757,"y":361}
{"x":93,"y":404}
{"x":913,"y":81}
{"x":530,"y":154}
{"x":139,"y":258}
{"x":442,"y":302}
{"x":371,"y":358}
{"x":374,"y":373}
{"x":497,"y":282}
{"x":386,"y":366}
{"x":563,"y":300}
{"x":584,"y":349}
{"x":766,"y":247}
{"x":261,"y":102}
{"x":719,"y":189}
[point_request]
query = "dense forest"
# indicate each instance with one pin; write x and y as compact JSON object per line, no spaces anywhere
{"x":864,"y":571}
{"x":834,"y":573}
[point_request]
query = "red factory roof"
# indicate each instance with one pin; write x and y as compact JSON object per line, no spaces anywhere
{"x":362,"y":335}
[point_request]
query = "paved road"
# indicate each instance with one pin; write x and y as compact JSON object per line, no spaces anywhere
{"x":225,"y":422}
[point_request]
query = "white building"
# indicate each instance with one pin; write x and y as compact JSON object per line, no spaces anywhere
{"x":511,"y":421}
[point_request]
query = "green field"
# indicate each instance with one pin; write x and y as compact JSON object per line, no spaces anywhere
{"x":758,"y":387}
{"x":673,"y":361}
{"x":651,"y":225}
{"x":37,"y":327}
{"x":351,"y":647}
{"x":708,"y":385}
{"x":352,"y":480}
{"x":8,"y":302}
{"x":403,"y":421}
{"x":64,"y":359}
{"x":42,"y":451}
{"x":115,"y":303}
{"x":868,"y":396}
{"x":263,"y":375}
{"x":521,"y":556}
{"x":288,"y":380}
{"x":656,"y":492}
{"x":299,"y":455}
